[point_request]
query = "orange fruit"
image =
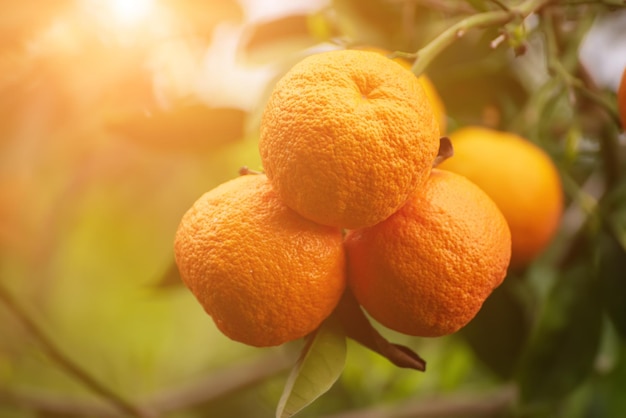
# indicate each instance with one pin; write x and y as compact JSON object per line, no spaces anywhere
{"x":520,"y":177}
{"x":427,"y":269}
{"x":262,"y":272}
{"x":347,"y":136}
{"x":621,"y":99}
{"x":429,"y":88}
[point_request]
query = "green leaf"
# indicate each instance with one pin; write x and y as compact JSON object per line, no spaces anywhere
{"x":566,"y":340}
{"x":170,"y":278}
{"x":185,"y":127}
{"x":611,"y":268}
{"x":613,"y":386}
{"x":318,"y":368}
{"x":500,"y":330}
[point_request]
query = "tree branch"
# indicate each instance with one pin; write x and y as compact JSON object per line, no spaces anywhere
{"x":495,"y":404}
{"x":57,"y":405}
{"x":220,"y":383}
{"x":64,"y":362}
{"x":215,"y":385}
{"x":428,"y":53}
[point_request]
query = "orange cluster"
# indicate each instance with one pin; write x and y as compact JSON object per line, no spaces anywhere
{"x":348,"y":140}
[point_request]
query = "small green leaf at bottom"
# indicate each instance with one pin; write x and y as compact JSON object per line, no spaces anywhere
{"x":320,"y":364}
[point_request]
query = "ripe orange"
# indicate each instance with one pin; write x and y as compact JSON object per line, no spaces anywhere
{"x":264,"y":274}
{"x":427,"y":269}
{"x":520,"y":177}
{"x":621,"y":99}
{"x":347,"y":136}
{"x":429,"y":88}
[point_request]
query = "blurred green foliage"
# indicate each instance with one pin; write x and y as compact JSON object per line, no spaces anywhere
{"x":107,"y":137}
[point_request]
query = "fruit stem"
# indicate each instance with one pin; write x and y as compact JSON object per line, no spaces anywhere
{"x":358,"y":327}
{"x":446,"y":150}
{"x":428,"y":53}
{"x":244,"y":171}
{"x":571,"y":82}
{"x":609,"y":132}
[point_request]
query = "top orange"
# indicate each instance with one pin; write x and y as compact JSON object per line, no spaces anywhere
{"x":621,"y":99}
{"x":429,"y":88}
{"x":347,"y":136}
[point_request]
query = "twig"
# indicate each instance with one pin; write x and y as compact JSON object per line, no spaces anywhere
{"x":215,"y":385}
{"x":64,"y":361}
{"x":428,"y":53}
{"x":555,"y":65}
{"x":494,"y":404}
{"x":358,"y":327}
{"x":49,"y":404}
{"x":219,"y":384}
{"x":609,"y":146}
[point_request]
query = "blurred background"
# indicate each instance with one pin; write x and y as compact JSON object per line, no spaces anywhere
{"x":115,"y":116}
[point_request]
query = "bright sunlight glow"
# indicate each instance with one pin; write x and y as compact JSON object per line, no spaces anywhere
{"x":128,"y":21}
{"x":130,"y":11}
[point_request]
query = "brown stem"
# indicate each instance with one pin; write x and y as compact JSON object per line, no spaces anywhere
{"x":446,"y":150}
{"x":358,"y":327}
{"x":498,"y":403}
{"x":215,"y":385}
{"x":47,"y":404}
{"x":244,"y":171}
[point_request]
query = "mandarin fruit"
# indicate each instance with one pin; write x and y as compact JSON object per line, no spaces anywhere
{"x":520,"y":177}
{"x":264,"y":274}
{"x":347,"y":136}
{"x":429,"y":88}
{"x":428,"y":268}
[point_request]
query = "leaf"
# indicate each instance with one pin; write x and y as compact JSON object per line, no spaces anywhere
{"x":170,"y":278}
{"x":446,"y":150}
{"x":613,"y":385}
{"x":318,"y":368}
{"x":566,"y":340}
{"x":611,"y":272}
{"x":500,"y":330}
{"x":194,"y":127}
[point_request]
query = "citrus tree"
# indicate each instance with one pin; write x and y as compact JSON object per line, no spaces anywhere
{"x":339,"y":208}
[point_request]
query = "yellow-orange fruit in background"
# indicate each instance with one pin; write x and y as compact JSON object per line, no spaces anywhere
{"x":427,"y":269}
{"x":520,"y":177}
{"x":621,"y":99}
{"x":436,"y":101}
{"x":347,"y":136}
{"x":264,"y":274}
{"x":429,"y":88}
